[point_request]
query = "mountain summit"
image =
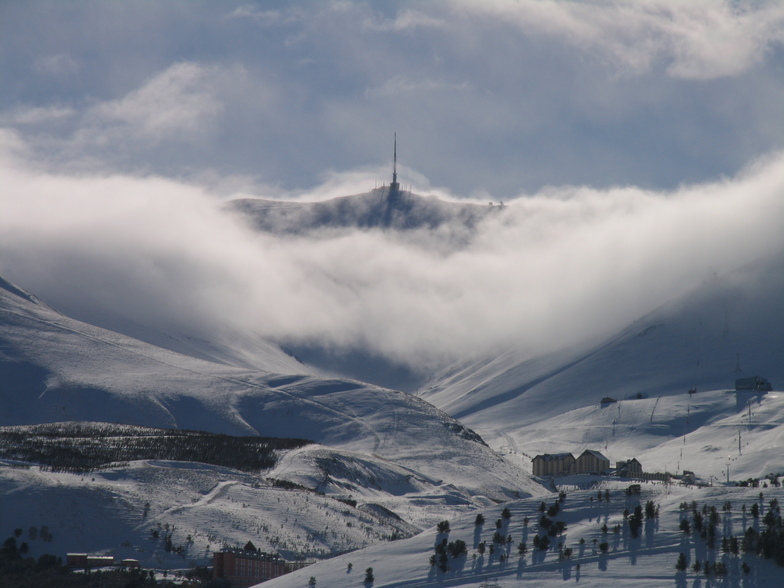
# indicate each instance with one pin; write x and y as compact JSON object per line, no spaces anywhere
{"x":386,"y":207}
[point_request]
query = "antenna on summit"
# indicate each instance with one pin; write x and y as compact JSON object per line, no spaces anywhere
{"x":394,"y":186}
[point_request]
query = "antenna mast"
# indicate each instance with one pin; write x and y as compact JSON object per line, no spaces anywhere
{"x":394,"y":187}
{"x":394,"y":164}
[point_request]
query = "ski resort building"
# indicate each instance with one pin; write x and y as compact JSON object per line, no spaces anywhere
{"x":553,"y":464}
{"x":563,"y":464}
{"x":76,"y":560}
{"x":246,"y":567}
{"x":591,"y":462}
{"x":84,"y":560}
{"x":629,"y":468}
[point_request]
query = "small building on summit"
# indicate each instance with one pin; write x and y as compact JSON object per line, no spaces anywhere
{"x":553,"y":464}
{"x":591,"y":462}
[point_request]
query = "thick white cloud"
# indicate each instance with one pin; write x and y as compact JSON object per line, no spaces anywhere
{"x":553,"y":268}
{"x":641,"y":107}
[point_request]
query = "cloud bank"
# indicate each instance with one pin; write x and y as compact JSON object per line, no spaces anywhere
{"x":637,"y":146}
{"x":556,"y":267}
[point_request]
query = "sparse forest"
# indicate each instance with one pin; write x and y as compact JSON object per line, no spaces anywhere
{"x":82,"y":447}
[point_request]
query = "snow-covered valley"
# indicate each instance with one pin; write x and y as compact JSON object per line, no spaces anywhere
{"x":385,"y":466}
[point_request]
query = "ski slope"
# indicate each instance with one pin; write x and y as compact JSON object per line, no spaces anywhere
{"x":645,"y":561}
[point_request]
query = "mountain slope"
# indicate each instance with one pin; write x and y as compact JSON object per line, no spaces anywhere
{"x":643,"y":561}
{"x":54,"y":369}
{"x":698,"y":341}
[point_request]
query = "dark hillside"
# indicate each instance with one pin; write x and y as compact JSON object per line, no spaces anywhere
{"x":83,"y":446}
{"x":378,"y":209}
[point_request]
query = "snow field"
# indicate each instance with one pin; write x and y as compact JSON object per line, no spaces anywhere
{"x":648,"y":560}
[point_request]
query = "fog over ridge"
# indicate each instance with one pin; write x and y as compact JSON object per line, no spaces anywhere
{"x":557,"y":266}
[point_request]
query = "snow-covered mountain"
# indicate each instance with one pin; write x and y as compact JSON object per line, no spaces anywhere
{"x":381,"y":447}
{"x":391,"y":464}
{"x":730,"y":327}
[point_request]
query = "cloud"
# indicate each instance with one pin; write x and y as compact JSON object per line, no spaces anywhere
{"x":34,"y":115}
{"x":179,"y":101}
{"x":59,"y":65}
{"x":701,"y":39}
{"x":271,"y":17}
{"x":401,"y":85}
{"x":175,"y":118}
{"x":613,"y":119}
{"x":405,"y":20}
{"x":555,"y":267}
{"x":496,"y":96}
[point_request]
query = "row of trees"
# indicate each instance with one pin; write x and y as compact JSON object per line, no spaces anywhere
{"x":82,"y":447}
{"x":33,"y":533}
{"x":767,"y":543}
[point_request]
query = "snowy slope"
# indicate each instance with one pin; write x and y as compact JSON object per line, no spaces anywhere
{"x":645,"y":561}
{"x":705,"y":433}
{"x":698,"y":341}
{"x":201,"y":507}
{"x":377,"y":445}
{"x":239,"y":350}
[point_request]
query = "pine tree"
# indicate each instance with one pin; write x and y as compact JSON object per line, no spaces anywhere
{"x":681,"y":565}
{"x":650,"y":509}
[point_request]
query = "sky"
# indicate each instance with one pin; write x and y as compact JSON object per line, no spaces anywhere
{"x":639,"y":147}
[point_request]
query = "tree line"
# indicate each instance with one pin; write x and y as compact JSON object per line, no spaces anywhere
{"x":83,"y":447}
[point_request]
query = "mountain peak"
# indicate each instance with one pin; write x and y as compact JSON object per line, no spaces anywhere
{"x":386,"y":207}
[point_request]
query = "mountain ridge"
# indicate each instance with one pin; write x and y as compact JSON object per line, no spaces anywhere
{"x":451,"y":223}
